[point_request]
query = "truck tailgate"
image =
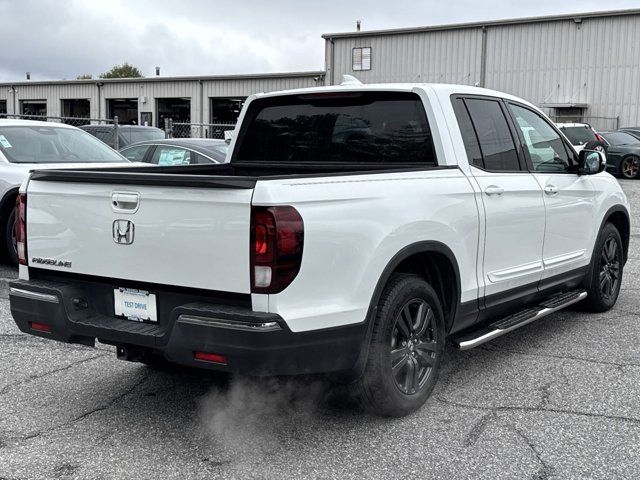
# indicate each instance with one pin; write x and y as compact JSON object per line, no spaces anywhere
{"x":191,"y":237}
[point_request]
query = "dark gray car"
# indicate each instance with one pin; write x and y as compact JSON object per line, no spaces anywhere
{"x":177,"y":151}
{"x":623,"y":154}
{"x":127,"y":134}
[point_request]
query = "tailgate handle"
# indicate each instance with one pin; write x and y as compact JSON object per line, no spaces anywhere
{"x":125,"y":201}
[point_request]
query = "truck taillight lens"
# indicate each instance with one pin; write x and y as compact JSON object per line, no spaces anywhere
{"x":21,"y":228}
{"x":277,"y":236}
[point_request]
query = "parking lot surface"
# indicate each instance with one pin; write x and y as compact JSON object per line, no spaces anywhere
{"x":559,"y":398}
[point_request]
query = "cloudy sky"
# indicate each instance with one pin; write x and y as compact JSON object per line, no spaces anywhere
{"x":56,"y":39}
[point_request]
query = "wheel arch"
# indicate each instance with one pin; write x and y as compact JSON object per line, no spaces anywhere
{"x":8,"y":202}
{"x":619,"y":217}
{"x":433,"y":261}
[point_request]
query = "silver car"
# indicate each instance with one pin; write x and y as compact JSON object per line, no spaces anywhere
{"x":29,"y":145}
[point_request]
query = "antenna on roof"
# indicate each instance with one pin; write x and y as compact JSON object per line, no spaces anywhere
{"x":358,"y":24}
{"x":350,"y":80}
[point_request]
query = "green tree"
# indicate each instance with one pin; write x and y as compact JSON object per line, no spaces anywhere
{"x":122,"y":71}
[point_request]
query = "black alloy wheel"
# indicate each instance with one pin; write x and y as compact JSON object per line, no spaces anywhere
{"x":413,"y":346}
{"x":609,"y":275}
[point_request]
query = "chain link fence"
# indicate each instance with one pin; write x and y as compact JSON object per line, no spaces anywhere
{"x":197,"y":130}
{"x":598,"y":123}
{"x":108,"y":135}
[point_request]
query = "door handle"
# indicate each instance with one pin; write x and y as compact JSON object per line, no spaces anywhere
{"x":551,"y":190}
{"x":125,"y":202}
{"x":493,"y":190}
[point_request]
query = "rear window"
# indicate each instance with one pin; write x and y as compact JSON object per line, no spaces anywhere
{"x":579,"y":135}
{"x":620,"y":138}
{"x":145,"y":134}
{"x":364,"y":128}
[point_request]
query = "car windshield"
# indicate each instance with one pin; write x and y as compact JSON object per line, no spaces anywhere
{"x":620,"y":138}
{"x":45,"y":144}
{"x":579,"y":135}
{"x":145,"y":134}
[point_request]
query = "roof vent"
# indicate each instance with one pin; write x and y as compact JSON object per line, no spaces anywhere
{"x":350,"y":80}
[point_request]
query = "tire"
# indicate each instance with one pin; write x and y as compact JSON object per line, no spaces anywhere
{"x":605,"y":270}
{"x":630,"y":167}
{"x":409,"y":311}
{"x":9,"y":240}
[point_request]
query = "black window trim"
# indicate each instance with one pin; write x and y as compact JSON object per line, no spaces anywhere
{"x":517,"y":143}
{"x":568,"y":150}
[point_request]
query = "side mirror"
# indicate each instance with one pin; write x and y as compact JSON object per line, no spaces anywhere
{"x":591,"y":162}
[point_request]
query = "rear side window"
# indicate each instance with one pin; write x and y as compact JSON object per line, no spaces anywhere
{"x":361,"y":127}
{"x":469,"y":137}
{"x":493,"y":134}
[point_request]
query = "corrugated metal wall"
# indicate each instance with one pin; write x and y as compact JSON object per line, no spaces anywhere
{"x":147,"y":92}
{"x":596,"y":62}
{"x":451,"y":56}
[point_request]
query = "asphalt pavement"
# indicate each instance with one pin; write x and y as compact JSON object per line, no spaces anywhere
{"x":559,"y":398}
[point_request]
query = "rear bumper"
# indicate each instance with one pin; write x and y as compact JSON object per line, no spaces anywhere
{"x":253,"y":343}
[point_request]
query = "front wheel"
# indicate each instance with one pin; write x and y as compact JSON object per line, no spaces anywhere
{"x":606,"y":270}
{"x":10,"y":239}
{"x":406,"y":348}
{"x":630,"y":167}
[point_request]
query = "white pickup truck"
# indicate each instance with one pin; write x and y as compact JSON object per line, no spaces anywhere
{"x":353,"y":231}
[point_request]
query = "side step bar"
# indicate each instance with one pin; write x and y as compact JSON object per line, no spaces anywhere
{"x":519,"y":319}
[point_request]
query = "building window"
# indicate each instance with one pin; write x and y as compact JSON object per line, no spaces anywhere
{"x":361,"y":59}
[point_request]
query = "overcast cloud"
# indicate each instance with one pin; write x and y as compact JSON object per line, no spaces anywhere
{"x":63,"y":39}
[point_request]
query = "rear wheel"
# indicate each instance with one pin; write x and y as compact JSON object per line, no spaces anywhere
{"x":10,"y":239}
{"x":606,"y":270}
{"x":406,"y":349}
{"x":630,"y":167}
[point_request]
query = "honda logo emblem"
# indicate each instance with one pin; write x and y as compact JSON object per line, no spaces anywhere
{"x":123,"y":231}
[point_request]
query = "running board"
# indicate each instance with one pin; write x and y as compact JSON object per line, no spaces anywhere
{"x":519,"y":319}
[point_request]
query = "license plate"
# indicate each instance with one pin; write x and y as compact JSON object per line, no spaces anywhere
{"x":136,"y":305}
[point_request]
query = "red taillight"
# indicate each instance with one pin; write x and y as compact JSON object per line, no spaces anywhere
{"x":40,"y":327}
{"x":599,"y":137}
{"x":21,"y":228}
{"x":277,"y":236}
{"x":210,"y":357}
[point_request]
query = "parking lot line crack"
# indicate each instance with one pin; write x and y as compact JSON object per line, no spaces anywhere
{"x":84,"y":415}
{"x":560,"y":411}
{"x":564,"y":357}
{"x":546,"y":470}
{"x":478,"y":429}
{"x":7,"y":388}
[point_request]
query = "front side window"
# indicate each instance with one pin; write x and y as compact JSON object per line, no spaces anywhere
{"x":545,"y":146}
{"x":492,"y":130}
{"x":135,"y":154}
{"x":358,"y":127}
{"x":44,"y":144}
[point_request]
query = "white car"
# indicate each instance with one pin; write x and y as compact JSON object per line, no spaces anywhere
{"x":579,"y":134}
{"x":354,"y":230}
{"x":30,"y":145}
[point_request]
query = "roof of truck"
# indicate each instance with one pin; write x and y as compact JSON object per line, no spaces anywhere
{"x":445,"y":89}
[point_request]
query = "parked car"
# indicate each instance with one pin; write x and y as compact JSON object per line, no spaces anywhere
{"x":29,"y":145}
{"x":635,"y":131}
{"x":127,"y":134}
{"x":579,"y":134}
{"x":177,"y":151}
{"x":354,"y":255}
{"x":623,"y":154}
